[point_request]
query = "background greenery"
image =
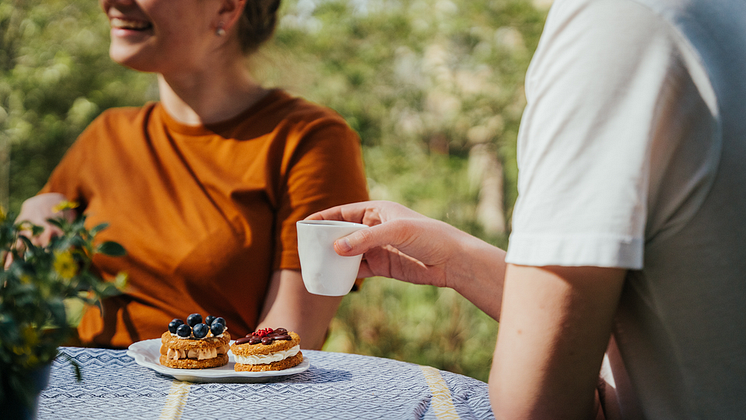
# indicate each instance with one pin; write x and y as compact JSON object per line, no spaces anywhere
{"x":433,"y":87}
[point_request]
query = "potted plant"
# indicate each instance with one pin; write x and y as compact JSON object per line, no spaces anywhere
{"x":36,"y":284}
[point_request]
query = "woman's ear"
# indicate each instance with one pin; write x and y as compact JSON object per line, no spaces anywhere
{"x":229,"y":13}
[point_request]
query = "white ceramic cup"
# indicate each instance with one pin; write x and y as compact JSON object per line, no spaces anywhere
{"x":324,"y":271}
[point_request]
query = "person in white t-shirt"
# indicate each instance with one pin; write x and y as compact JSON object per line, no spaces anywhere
{"x":631,"y":219}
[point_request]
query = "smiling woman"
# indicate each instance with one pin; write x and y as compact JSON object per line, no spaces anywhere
{"x":204,"y":187}
{"x":154,"y":36}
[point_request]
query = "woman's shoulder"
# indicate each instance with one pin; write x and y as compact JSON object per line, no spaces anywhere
{"x":115,"y":125}
{"x":124,"y":115}
{"x":298,"y":109}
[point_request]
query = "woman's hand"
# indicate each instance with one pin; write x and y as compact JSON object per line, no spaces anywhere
{"x":37,"y":210}
{"x":405,"y":245}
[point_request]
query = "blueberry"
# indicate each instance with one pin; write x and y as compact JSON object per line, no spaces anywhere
{"x":184,"y":330}
{"x":217,"y":328}
{"x":209,"y":320}
{"x":220,"y":320}
{"x":174,"y":324}
{"x":200,"y":330}
{"x":194,"y":319}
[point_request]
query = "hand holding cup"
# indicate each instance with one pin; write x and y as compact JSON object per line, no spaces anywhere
{"x":325,"y":272}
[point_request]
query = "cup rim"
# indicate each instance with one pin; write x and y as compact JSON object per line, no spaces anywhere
{"x":330,"y":223}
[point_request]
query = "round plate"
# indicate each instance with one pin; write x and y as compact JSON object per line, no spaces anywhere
{"x":147,"y":353}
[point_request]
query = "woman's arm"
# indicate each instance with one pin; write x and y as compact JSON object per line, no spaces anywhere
{"x":554,"y":328}
{"x":289,"y":305}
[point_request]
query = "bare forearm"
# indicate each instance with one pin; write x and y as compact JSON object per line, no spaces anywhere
{"x":477,"y":272}
{"x":555,"y":325}
{"x":289,"y":305}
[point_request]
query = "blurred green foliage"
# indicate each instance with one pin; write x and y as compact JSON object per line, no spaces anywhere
{"x":55,"y":77}
{"x":424,"y":83}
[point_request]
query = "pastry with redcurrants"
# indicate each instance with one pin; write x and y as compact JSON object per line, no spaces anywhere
{"x":267,"y":349}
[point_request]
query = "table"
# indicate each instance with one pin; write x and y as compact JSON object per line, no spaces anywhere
{"x":335,"y":386}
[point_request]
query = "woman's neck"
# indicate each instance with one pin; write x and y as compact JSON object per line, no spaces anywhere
{"x":216,"y":93}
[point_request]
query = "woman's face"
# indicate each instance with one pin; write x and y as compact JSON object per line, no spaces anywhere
{"x":162,"y":36}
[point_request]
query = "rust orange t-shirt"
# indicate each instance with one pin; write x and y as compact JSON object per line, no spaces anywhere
{"x":206,"y":213}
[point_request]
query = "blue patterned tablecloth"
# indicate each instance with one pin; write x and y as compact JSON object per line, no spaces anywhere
{"x":336,"y":386}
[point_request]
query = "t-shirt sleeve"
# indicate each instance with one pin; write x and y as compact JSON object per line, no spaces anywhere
{"x":323,"y":168}
{"x":71,"y":173}
{"x":604,"y":77}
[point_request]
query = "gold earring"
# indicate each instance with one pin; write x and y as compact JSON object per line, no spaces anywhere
{"x":220,"y":31}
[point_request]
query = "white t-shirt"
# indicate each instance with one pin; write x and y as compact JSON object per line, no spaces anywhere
{"x":632,"y":154}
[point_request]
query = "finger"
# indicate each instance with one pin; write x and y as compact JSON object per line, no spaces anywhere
{"x":391,"y":233}
{"x":50,"y":232}
{"x":45,"y":237}
{"x":354,"y":212}
{"x":8,"y":260}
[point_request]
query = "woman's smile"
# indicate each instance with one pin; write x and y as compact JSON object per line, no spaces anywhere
{"x":124,"y":23}
{"x":155,"y":36}
{"x":124,"y":27}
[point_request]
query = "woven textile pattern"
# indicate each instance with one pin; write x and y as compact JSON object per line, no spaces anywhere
{"x":336,"y":386}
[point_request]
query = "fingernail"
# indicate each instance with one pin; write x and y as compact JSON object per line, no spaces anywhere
{"x":344,"y":245}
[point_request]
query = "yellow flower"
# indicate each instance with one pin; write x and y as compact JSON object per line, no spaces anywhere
{"x":64,"y":205}
{"x":3,"y":214}
{"x":65,"y":265}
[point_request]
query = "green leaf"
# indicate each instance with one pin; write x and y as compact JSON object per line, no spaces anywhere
{"x":76,"y":366}
{"x":77,"y":241}
{"x":98,"y":228}
{"x":78,"y":224}
{"x":57,"y":311}
{"x":107,"y":290}
{"x":36,"y":230}
{"x":60,"y":223}
{"x":111,"y":248}
{"x":27,"y":243}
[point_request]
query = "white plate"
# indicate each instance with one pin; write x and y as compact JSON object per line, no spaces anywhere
{"x":147,"y":353}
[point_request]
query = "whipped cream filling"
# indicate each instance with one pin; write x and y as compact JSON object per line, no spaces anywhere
{"x":265,"y":359}
{"x":199,"y":354}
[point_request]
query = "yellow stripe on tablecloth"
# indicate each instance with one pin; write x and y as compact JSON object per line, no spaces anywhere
{"x":442,"y":402}
{"x":175,"y":401}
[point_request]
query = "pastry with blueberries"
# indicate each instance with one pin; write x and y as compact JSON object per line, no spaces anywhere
{"x":196,"y":343}
{"x":267,"y":349}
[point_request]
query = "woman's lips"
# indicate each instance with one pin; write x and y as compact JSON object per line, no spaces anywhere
{"x":131,"y":30}
{"x":129,"y":24}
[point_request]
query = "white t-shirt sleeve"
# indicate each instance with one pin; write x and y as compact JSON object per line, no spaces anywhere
{"x":597,"y":85}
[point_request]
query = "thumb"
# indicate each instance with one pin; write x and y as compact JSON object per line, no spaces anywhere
{"x":355,"y":243}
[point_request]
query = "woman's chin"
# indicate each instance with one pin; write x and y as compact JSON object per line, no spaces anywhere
{"x":139,"y":62}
